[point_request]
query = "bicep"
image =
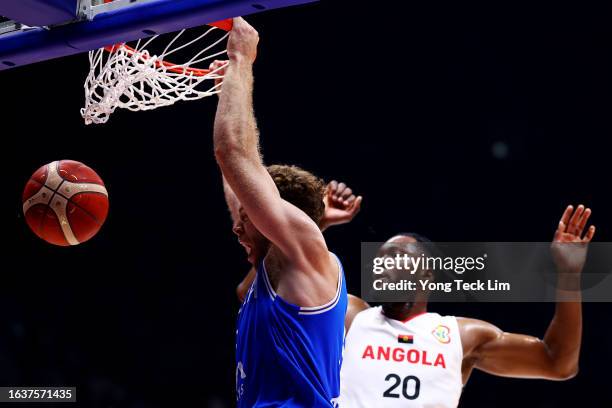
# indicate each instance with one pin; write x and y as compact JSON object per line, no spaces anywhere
{"x":516,"y":355}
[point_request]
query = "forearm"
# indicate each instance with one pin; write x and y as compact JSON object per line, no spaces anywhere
{"x":564,"y":333}
{"x":235,"y":132}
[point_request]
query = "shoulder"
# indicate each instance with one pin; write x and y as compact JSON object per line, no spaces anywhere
{"x":306,"y":286}
{"x":476,"y":327}
{"x":475,"y":332}
{"x":310,"y":256}
{"x":357,"y":303}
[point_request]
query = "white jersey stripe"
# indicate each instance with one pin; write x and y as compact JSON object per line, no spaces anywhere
{"x":312,"y":310}
{"x":332,"y":303}
{"x":267,"y":283}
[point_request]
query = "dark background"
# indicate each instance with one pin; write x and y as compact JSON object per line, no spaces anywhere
{"x":461,"y":122}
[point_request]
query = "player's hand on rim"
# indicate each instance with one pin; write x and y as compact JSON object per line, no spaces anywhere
{"x":242,"y":42}
{"x":218,"y":67}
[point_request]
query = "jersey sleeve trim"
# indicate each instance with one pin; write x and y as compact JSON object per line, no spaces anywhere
{"x":332,"y":303}
{"x":267,"y":283}
{"x":307,"y":310}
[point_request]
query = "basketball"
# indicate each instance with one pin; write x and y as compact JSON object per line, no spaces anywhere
{"x":65,"y":203}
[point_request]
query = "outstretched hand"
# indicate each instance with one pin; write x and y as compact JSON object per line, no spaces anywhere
{"x":341,"y":205}
{"x":569,"y":247}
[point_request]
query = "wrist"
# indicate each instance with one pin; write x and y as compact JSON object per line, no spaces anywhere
{"x":238,"y":59}
{"x":569,"y":270}
{"x":323,"y":225}
{"x":568,"y":281}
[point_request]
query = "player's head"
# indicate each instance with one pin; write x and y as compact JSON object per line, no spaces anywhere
{"x":301,"y":188}
{"x":412,"y":245}
{"x":295,"y":185}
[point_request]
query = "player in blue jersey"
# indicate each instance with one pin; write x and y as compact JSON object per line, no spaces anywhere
{"x":341,"y":206}
{"x":291,"y":324}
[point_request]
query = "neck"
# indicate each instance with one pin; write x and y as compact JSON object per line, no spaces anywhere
{"x":404,"y":311}
{"x":260,"y":256}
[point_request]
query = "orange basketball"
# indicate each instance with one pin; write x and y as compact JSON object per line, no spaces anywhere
{"x":65,"y":203}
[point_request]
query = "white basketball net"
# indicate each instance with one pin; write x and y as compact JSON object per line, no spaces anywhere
{"x":129,"y":77}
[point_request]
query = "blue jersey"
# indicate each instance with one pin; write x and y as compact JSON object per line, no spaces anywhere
{"x":286,"y":355}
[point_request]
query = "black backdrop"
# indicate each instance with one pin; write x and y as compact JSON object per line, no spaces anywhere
{"x":460,"y":122}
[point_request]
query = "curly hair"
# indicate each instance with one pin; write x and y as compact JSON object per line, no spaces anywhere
{"x":301,"y":188}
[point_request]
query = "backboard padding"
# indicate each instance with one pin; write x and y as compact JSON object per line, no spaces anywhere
{"x":121,"y":25}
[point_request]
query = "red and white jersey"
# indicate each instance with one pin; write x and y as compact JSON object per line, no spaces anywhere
{"x":389,"y":363}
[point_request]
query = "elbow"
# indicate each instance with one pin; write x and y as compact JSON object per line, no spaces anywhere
{"x":227,"y":140}
{"x":220,"y":153}
{"x":566,"y":373}
{"x":227,"y":150}
{"x":569,"y":374}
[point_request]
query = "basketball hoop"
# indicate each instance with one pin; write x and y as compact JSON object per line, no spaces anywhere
{"x":135,"y":78}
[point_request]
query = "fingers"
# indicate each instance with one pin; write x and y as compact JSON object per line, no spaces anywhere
{"x":566,"y":215}
{"x":583,"y":220}
{"x":340,"y":189}
{"x":346,"y":194}
{"x":590,"y":234}
{"x":216,"y":64}
{"x":238,"y":23}
{"x":241,"y":27}
{"x":331,"y":188}
{"x":242,"y":42}
{"x":341,"y":194}
{"x":574,"y":221}
{"x":356,"y":206}
{"x":560,"y":231}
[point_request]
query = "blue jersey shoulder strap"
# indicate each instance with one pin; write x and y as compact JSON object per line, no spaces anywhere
{"x":287,"y":355}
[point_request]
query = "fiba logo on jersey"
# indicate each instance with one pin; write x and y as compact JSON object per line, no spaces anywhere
{"x":240,"y":376}
{"x":442,"y":334}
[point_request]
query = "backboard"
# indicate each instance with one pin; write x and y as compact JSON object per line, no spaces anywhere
{"x":38,"y":30}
